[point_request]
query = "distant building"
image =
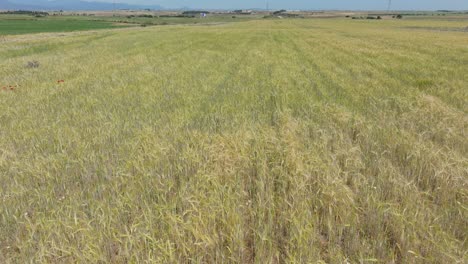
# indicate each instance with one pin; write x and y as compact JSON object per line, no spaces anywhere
{"x":194,"y":13}
{"x":242,"y":12}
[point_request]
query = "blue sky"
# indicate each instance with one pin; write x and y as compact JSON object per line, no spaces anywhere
{"x":302,"y":4}
{"x":310,"y":4}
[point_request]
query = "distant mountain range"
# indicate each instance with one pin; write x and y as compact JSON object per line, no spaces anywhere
{"x":72,"y":5}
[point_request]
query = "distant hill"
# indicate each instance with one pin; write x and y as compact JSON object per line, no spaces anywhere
{"x":72,"y":5}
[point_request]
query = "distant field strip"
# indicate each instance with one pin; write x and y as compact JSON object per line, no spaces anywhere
{"x":269,"y":141}
{"x":25,"y":24}
{"x":17,"y":27}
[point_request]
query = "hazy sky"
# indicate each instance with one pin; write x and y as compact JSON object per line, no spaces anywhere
{"x":310,"y":4}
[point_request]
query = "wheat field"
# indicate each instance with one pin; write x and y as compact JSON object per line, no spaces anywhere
{"x":268,"y":141}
